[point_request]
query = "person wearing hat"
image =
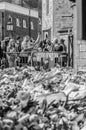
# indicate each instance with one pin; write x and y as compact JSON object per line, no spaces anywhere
{"x":61,"y":46}
{"x":63,"y":53}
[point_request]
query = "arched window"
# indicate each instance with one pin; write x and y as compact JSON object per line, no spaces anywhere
{"x":24,"y":24}
{"x":10,"y":19}
{"x":17,"y":22}
{"x":32,"y":25}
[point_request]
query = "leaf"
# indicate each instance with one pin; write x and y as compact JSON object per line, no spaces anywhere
{"x":51,"y":103}
{"x":36,"y":127}
{"x":44,"y":105}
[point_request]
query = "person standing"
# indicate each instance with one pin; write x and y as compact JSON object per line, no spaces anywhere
{"x":1,"y":51}
{"x":3,"y":46}
{"x":61,"y":46}
{"x":63,"y":53}
{"x":18,"y":43}
{"x":55,"y":45}
{"x":12,"y":53}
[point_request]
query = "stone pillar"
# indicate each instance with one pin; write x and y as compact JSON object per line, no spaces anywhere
{"x":79,"y":43}
{"x":76,"y":47}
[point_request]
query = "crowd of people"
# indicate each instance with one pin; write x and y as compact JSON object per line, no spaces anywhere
{"x":18,"y":110}
{"x":56,"y":45}
{"x":11,"y":49}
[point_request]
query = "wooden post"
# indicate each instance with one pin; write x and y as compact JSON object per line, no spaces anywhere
{"x":68,"y":48}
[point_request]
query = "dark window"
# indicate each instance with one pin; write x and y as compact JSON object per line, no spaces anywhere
{"x":84,"y":19}
{"x":9,"y":19}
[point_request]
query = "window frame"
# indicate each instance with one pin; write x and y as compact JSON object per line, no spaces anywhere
{"x":24,"y":21}
{"x":19,"y":24}
{"x":32,"y":25}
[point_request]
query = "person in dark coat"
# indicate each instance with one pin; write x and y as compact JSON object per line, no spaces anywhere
{"x":1,"y":51}
{"x":62,"y":41}
{"x":3,"y":46}
{"x":42,"y":45}
{"x":18,"y":43}
{"x":7,"y":39}
{"x":61,"y":46}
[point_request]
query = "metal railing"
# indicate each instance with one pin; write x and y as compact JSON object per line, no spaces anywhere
{"x":28,"y":57}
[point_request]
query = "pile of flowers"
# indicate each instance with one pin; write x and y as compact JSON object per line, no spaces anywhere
{"x":31,"y":100}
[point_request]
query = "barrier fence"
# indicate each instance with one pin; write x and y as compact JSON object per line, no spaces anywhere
{"x":33,"y":58}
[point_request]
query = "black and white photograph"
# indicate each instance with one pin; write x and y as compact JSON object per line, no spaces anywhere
{"x":42,"y":64}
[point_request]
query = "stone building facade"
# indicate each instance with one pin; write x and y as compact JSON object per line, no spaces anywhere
{"x":59,"y":19}
{"x":66,"y":15}
{"x":47,"y":18}
{"x":79,"y":41}
{"x":58,"y":22}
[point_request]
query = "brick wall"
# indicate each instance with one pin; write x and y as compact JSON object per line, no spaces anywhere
{"x":20,"y":31}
